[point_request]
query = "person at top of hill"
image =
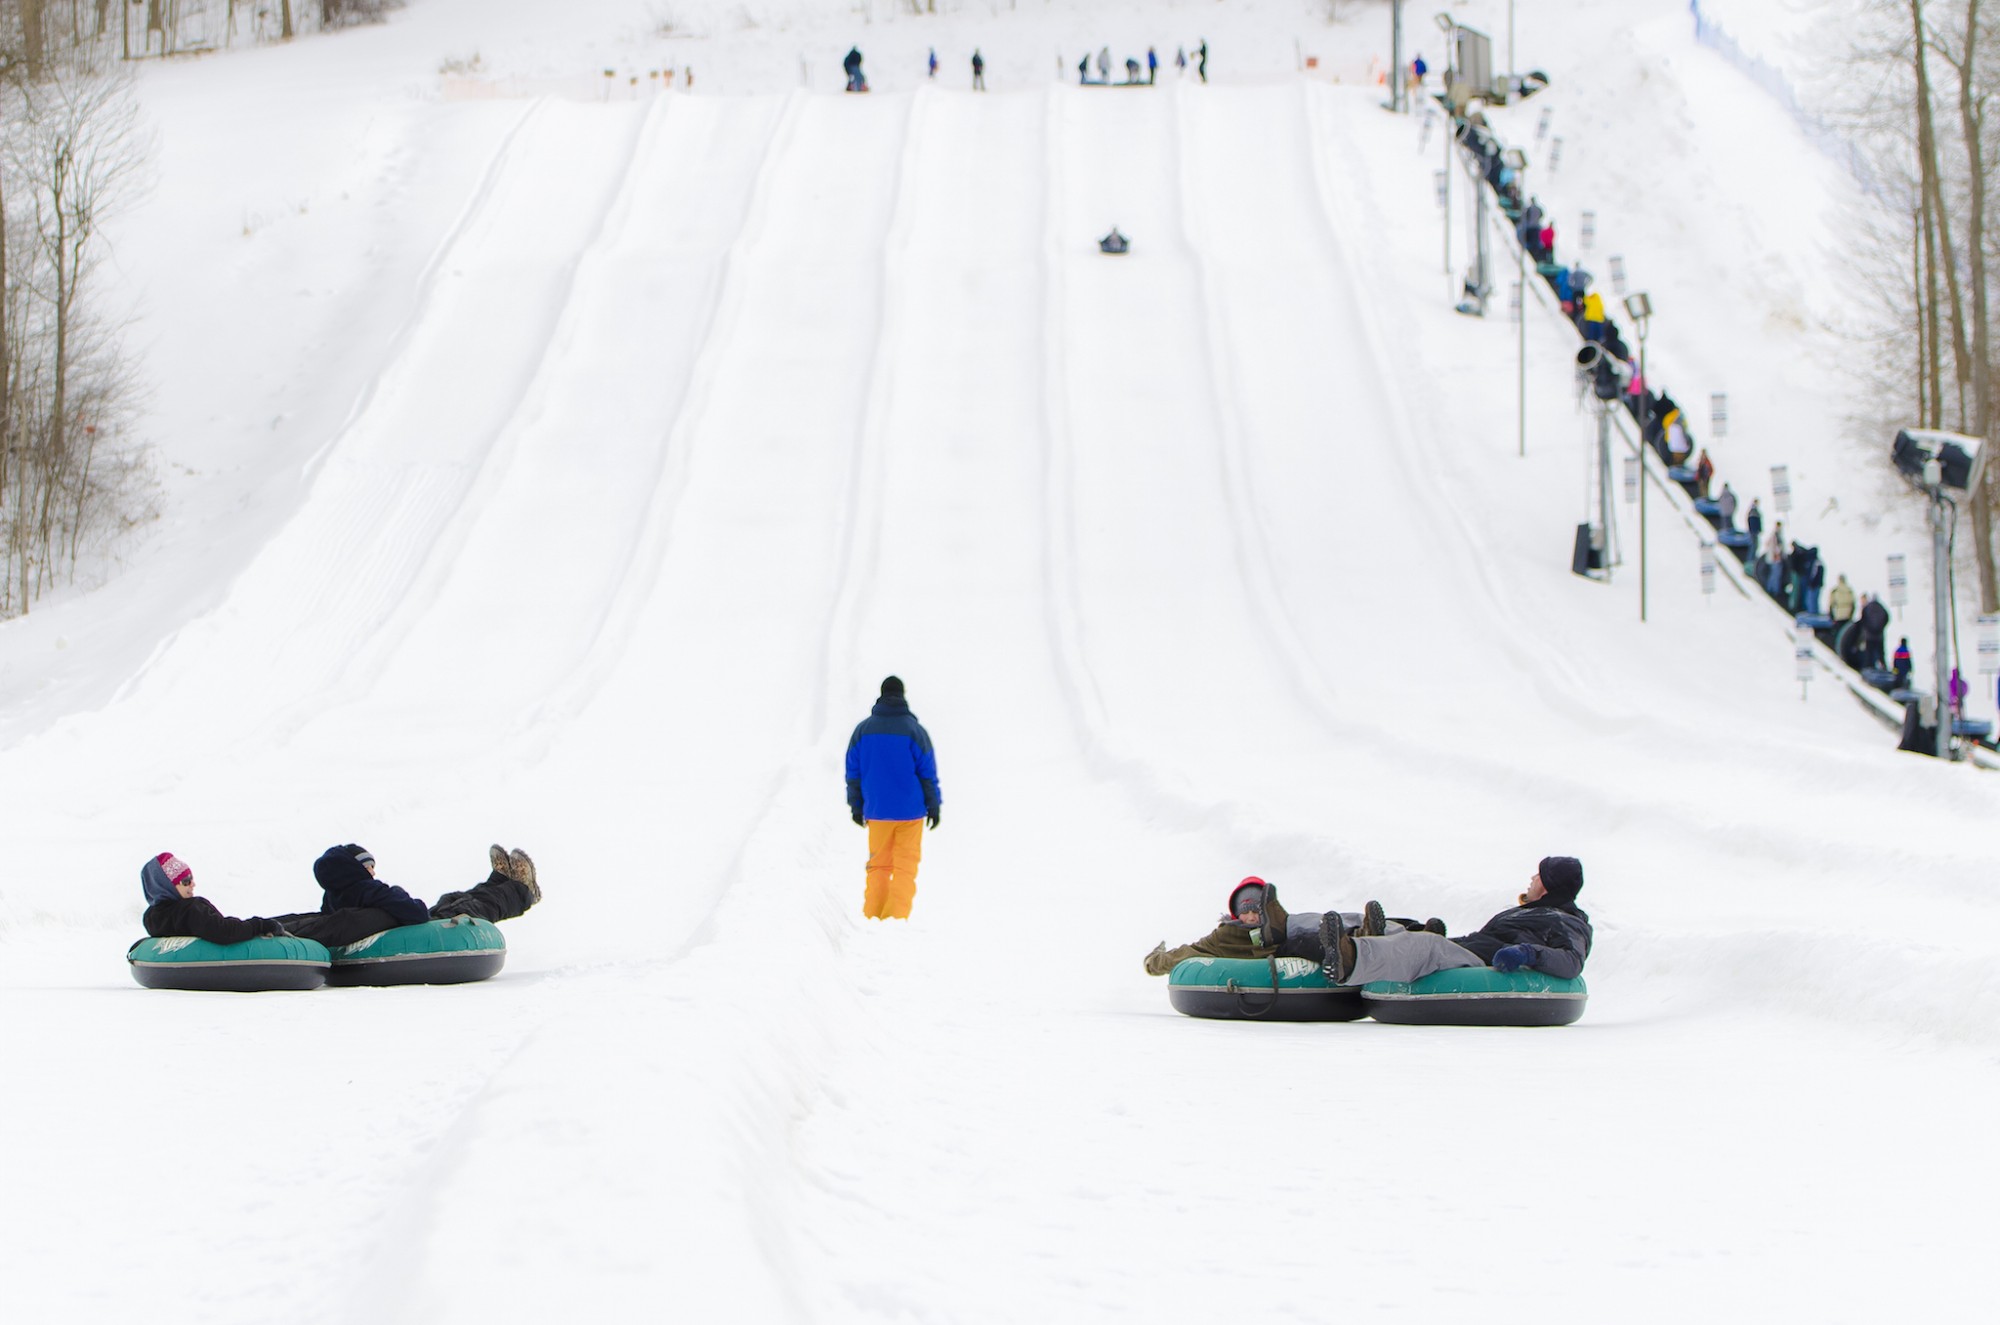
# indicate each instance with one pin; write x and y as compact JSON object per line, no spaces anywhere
{"x":978,"y":71}
{"x":892,"y":791}
{"x":355,"y":904}
{"x":1546,"y":932}
{"x":1255,"y":926}
{"x":856,"y":80}
{"x":1113,"y":242}
{"x":1902,"y":661}
{"x":173,"y":911}
{"x":1840,"y":600}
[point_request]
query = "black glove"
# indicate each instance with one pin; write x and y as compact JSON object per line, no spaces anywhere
{"x":1513,"y":957}
{"x":858,"y":819}
{"x":270,"y":929}
{"x":937,"y":812}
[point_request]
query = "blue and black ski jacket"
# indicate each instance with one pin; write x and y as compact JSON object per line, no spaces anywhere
{"x":891,"y":768}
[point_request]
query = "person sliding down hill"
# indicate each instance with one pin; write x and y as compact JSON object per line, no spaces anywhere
{"x":1547,"y":932}
{"x":356,"y":904}
{"x":1256,"y":926}
{"x":892,"y":791}
{"x":173,"y":911}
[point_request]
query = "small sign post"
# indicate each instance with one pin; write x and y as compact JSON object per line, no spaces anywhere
{"x":1899,"y":581}
{"x":1708,"y":568}
{"x":1781,"y":489}
{"x":1587,"y":231}
{"x":1718,"y":414}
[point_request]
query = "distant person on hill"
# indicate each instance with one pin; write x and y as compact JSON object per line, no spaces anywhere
{"x":856,"y":81}
{"x":933,"y":63}
{"x":892,"y":791}
{"x":1874,"y":626}
{"x":1725,"y":506}
{"x":1903,"y":663}
{"x":1113,"y":242}
{"x":1754,"y":522}
{"x":1201,"y":60}
{"x":1547,"y":932}
{"x":1840,"y":602}
{"x":978,"y":71}
{"x":1704,"y":473}
{"x":1152,"y":66}
{"x":1131,"y":71}
{"x":1180,"y":60}
{"x":1083,"y":71}
{"x":1104,"y":64}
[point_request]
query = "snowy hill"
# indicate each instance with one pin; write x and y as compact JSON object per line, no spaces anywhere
{"x":569,"y":471}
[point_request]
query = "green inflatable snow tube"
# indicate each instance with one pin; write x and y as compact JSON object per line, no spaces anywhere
{"x":234,"y":968}
{"x":1233,"y":989}
{"x":1477,"y":996}
{"x":438,"y":952}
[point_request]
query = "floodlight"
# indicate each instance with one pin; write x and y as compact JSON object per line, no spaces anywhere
{"x":1953,"y":459}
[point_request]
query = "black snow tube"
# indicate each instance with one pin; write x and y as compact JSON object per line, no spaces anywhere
{"x":252,"y":967}
{"x":1242,"y":990}
{"x":440,"y":952}
{"x":1477,"y":996}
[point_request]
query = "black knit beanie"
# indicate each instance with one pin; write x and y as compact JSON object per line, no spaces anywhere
{"x":892,"y":687}
{"x":1562,"y":877}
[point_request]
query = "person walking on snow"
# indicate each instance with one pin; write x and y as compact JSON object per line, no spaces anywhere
{"x":978,"y":71}
{"x":933,"y":63}
{"x":892,"y":791}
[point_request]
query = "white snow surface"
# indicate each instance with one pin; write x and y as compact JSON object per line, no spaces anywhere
{"x":567,"y":470}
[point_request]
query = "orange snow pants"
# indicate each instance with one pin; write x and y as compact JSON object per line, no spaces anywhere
{"x":894,"y":848}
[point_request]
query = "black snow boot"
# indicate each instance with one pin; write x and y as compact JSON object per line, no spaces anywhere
{"x":1338,"y":945}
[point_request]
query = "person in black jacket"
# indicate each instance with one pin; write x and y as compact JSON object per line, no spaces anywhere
{"x":354,"y":899}
{"x":1547,"y":932}
{"x":172,"y":909}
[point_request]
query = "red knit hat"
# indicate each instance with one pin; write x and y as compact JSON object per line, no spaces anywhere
{"x":176,"y":869}
{"x":1237,"y":900}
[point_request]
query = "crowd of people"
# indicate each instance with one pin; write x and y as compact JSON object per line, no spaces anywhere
{"x":1790,"y":572}
{"x":1093,"y":70}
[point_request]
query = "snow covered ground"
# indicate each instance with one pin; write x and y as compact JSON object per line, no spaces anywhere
{"x":569,"y":473}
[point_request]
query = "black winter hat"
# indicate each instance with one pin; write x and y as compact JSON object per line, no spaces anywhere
{"x":892,"y":687}
{"x":1562,"y":877}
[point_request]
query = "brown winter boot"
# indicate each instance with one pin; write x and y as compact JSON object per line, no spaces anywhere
{"x":1374,"y":922}
{"x":497,"y":855}
{"x":523,"y":871}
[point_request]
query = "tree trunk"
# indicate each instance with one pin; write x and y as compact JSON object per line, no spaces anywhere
{"x":32,"y":38}
{"x":6,"y":360}
{"x":1934,"y":187}
{"x":285,"y":19}
{"x":1972,"y":119}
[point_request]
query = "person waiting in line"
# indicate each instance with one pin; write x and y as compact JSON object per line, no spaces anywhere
{"x":1874,"y":618}
{"x":1902,"y":667}
{"x":1753,"y":522}
{"x":1704,"y":473}
{"x":978,"y":71}
{"x":1840,"y":601}
{"x":1725,"y":506}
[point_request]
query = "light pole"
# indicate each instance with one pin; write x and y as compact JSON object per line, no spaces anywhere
{"x":1517,"y":160}
{"x":1941,"y":604}
{"x":1446,"y":22}
{"x":1639,"y":308}
{"x":1396,"y":99}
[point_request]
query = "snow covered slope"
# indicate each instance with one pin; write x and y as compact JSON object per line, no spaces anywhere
{"x":694,"y":416}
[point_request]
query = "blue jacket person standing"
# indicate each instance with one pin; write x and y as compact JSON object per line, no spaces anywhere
{"x":892,"y":789}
